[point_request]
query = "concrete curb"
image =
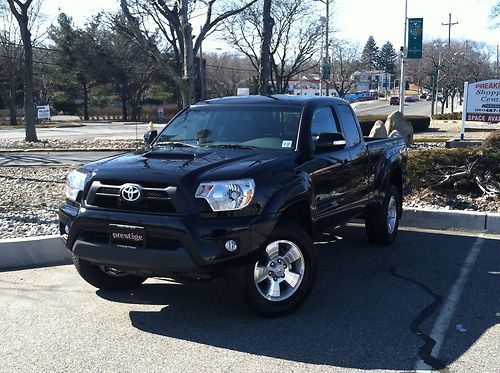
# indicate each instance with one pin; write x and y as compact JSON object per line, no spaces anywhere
{"x":44,"y":251}
{"x":451,"y":220}
{"x":32,"y":252}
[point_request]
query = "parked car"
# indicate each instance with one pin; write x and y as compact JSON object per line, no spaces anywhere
{"x":394,"y":100}
{"x":411,"y":98}
{"x":236,"y":186}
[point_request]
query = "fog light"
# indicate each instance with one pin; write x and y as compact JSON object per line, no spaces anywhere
{"x":66,"y":229}
{"x":231,"y":245}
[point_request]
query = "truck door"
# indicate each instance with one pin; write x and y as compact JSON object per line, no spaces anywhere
{"x":329,"y":172}
{"x":359,"y":159}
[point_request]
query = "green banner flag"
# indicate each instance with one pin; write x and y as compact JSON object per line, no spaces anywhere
{"x":415,"y":26}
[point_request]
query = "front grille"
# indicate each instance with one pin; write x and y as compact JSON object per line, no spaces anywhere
{"x":152,"y":200}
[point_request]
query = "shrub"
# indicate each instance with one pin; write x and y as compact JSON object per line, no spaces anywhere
{"x":492,"y":142}
{"x":448,"y":116}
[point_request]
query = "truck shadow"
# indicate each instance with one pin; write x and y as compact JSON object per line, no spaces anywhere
{"x":361,"y":314}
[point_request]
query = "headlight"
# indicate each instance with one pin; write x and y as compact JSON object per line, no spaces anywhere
{"x":75,"y":182}
{"x":227,"y":195}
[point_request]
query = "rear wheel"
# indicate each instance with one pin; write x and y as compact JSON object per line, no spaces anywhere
{"x":106,"y":277}
{"x":282,"y":278}
{"x":382,"y":222}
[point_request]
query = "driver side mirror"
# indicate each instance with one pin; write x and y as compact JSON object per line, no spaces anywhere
{"x":329,"y":141}
{"x":150,"y":136}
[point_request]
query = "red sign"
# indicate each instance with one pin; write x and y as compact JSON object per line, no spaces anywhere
{"x":483,"y":117}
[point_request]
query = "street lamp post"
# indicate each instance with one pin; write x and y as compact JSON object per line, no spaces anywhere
{"x":326,"y":61}
{"x":402,"y":82}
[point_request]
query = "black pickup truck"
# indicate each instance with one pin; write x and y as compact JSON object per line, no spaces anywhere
{"x":236,"y":186}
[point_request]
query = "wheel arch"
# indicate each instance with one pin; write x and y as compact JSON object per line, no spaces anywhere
{"x":298,"y":212}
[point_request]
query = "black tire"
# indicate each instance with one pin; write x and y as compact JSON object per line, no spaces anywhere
{"x":377,"y":226}
{"x":96,"y":276}
{"x":305,"y":268}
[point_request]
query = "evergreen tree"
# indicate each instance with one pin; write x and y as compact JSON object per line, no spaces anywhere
{"x":387,"y":57}
{"x":370,"y":56}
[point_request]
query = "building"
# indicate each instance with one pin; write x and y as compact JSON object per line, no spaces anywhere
{"x":305,"y":86}
{"x":373,"y":80}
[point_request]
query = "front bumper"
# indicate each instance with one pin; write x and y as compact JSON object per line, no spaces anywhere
{"x":179,"y":245}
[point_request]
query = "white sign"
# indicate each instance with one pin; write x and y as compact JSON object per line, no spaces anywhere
{"x":481,"y":102}
{"x":43,"y":112}
{"x":243,"y":92}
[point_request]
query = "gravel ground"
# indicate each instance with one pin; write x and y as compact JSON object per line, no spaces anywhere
{"x":28,"y":207}
{"x":30,"y":198}
{"x":10,"y":145}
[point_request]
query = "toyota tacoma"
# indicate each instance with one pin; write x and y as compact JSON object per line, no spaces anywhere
{"x":237,"y":186}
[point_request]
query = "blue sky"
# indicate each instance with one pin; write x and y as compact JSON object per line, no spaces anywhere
{"x":355,"y":20}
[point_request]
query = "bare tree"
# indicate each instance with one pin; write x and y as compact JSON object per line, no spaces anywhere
{"x":226,"y":73}
{"x":345,"y":62}
{"x":23,"y":13}
{"x":11,"y":66}
{"x":295,"y":41}
{"x":159,"y":23}
{"x":265,"y":48}
{"x":446,"y":69}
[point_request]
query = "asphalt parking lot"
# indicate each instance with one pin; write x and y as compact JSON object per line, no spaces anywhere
{"x":373,"y":308}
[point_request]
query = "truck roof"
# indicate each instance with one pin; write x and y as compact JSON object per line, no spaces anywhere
{"x":272,"y":99}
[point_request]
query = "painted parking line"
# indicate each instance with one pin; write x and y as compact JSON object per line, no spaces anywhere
{"x":450,"y":304}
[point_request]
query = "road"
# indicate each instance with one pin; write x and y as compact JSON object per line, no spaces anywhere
{"x":51,"y":158}
{"x":85,"y":132}
{"x":382,"y":107}
{"x":373,"y":308}
{"x":89,"y":130}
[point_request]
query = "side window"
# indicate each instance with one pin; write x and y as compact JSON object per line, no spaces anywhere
{"x":349,"y":125}
{"x":323,"y":121}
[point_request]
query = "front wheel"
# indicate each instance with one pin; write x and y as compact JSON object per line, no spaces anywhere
{"x":382,"y":222}
{"x":282,"y":278}
{"x":106,"y":277}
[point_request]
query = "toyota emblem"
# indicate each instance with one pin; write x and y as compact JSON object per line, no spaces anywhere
{"x":131,"y":193}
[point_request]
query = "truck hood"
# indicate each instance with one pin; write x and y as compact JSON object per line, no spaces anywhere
{"x":175,"y":165}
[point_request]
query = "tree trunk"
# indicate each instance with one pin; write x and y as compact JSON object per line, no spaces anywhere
{"x":29,"y":97}
{"x":267,"y":30}
{"x":124,"y":104}
{"x":187,"y":82}
{"x":85,"y":100}
{"x":11,"y":103}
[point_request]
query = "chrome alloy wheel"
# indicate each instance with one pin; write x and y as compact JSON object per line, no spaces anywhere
{"x":392,"y":214}
{"x":279,"y":275}
{"x":113,"y":271}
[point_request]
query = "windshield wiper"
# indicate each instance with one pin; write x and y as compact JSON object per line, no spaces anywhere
{"x":175,"y":143}
{"x":233,"y":146}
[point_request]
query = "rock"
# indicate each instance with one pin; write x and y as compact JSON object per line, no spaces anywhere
{"x":378,"y":130}
{"x":396,"y":121}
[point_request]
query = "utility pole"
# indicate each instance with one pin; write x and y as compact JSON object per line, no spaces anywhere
{"x":449,"y":24}
{"x":327,"y":30}
{"x":326,"y":60}
{"x":402,"y":82}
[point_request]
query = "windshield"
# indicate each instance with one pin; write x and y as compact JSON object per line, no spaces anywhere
{"x":265,"y":127}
